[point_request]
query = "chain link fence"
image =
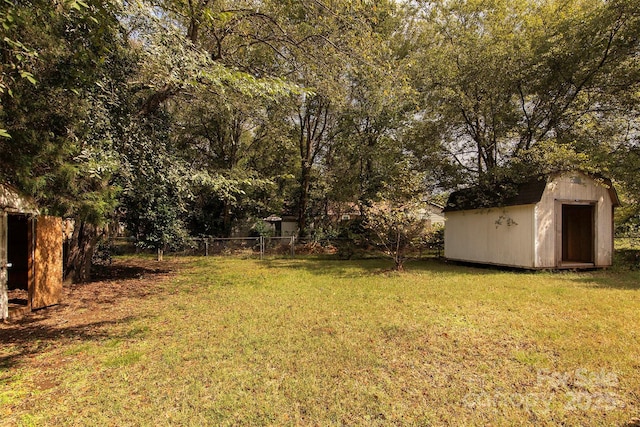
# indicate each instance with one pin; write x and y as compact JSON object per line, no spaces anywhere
{"x":263,"y":246}
{"x":212,"y":246}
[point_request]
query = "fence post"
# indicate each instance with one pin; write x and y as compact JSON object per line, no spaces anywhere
{"x":206,"y":246}
{"x":261,"y":247}
{"x":293,"y":246}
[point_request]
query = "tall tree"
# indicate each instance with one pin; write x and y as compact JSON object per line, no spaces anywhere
{"x":504,"y":77}
{"x":58,"y":114}
{"x":357,"y":103}
{"x":206,"y":107}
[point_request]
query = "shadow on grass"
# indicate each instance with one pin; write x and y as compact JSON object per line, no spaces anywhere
{"x":87,"y":310}
{"x":30,"y":337}
{"x":614,"y":278}
{"x":124,"y":272}
{"x":372,"y":266}
{"x":625,"y":273}
{"x":622,"y":276}
{"x":442,"y":265}
{"x":323,"y":266}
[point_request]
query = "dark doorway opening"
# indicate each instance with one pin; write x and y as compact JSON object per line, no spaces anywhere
{"x":578,"y":235}
{"x":19,"y":258}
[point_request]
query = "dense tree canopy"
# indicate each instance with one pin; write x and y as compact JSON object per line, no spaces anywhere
{"x":191,"y":117}
{"x":512,"y":82}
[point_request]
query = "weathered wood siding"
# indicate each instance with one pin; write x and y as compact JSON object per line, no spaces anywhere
{"x":577,"y":189}
{"x":47,"y":283}
{"x":501,"y":236}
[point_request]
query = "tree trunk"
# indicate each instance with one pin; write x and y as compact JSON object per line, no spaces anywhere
{"x":152,"y":103}
{"x":398,"y":258}
{"x":305,"y":184}
{"x":226,"y":218}
{"x":77,"y":259}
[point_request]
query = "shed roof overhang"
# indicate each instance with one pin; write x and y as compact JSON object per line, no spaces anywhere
{"x":13,"y":201}
{"x":513,"y":194}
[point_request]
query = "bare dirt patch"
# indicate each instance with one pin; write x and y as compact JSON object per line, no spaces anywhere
{"x":86,"y":307}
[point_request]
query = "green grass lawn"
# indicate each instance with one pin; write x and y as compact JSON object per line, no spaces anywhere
{"x":229,"y":341}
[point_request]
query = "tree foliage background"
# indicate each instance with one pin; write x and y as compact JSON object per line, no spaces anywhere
{"x":196,"y":117}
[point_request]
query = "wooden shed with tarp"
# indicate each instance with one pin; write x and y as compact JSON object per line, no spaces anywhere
{"x":30,"y":255}
{"x":562,"y":220}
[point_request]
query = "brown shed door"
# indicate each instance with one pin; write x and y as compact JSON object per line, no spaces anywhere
{"x":578,"y":233}
{"x":47,"y":285}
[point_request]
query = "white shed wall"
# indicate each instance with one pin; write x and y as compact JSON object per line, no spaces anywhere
{"x":502,"y":236}
{"x":573,"y":188}
{"x":289,"y":228}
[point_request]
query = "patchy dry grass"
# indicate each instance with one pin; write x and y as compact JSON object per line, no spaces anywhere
{"x":315,"y":342}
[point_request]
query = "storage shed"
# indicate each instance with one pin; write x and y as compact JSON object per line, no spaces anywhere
{"x":558,"y":221}
{"x":30,"y":255}
{"x":285,"y":226}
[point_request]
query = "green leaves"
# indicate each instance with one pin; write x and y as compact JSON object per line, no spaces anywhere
{"x":503,"y":77}
{"x":60,"y":146}
{"x":227,"y":101}
{"x":28,"y":76}
{"x":76,"y":5}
